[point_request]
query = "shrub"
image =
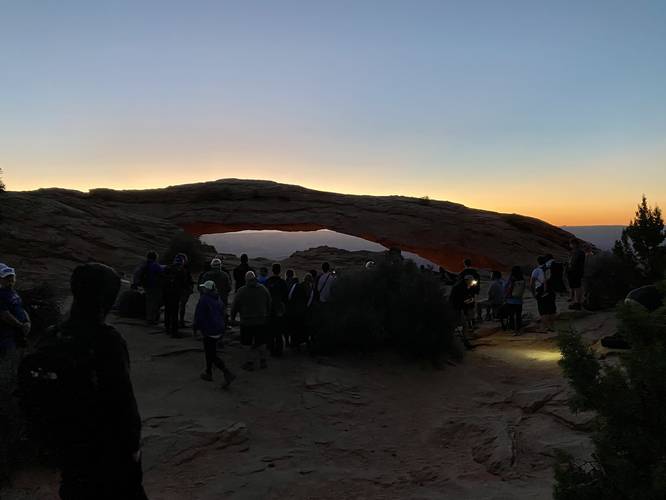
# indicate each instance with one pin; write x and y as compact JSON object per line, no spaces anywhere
{"x":608,"y":279}
{"x":390,"y":306}
{"x":197,"y":253}
{"x":642,"y":240}
{"x":2,"y":184}
{"x":629,"y":462}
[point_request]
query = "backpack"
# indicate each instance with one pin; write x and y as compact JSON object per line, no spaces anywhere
{"x":518,"y":289}
{"x":53,"y":382}
{"x":555,"y":277}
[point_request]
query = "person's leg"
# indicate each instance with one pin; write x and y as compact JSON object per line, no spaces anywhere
{"x":182,"y":307}
{"x":210,"y":352}
{"x":153,"y":304}
{"x":261,"y":337}
{"x":168,"y":315}
{"x":247,"y":339}
{"x":510,"y":316}
{"x":519,"y":316}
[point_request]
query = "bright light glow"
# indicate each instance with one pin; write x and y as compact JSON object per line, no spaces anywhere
{"x":541,"y":355}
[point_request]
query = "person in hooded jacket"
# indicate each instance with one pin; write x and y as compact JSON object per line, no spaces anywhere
{"x":100,"y":455}
{"x":209,"y":319}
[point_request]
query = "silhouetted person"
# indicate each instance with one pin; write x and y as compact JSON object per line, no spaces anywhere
{"x":240,"y":271}
{"x":289,"y":277}
{"x":325,"y":283}
{"x":298,"y":302}
{"x":209,"y":319}
{"x":469,"y":270}
{"x":462,"y":301}
{"x":514,"y":291}
{"x":14,"y":328}
{"x":495,"y":298}
{"x":149,"y":276}
{"x":189,"y":288}
{"x":174,"y":284}
{"x":263,"y":275}
{"x":279,"y":292}
{"x":575,"y":273}
{"x":221,"y":278}
{"x":538,"y":289}
{"x":253,"y":302}
{"x":100,"y":442}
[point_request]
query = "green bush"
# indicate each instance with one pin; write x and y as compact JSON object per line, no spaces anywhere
{"x":390,"y":306}
{"x":608,"y":279}
{"x":629,"y":462}
{"x":643,"y":239}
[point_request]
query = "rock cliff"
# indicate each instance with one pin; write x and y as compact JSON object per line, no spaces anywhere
{"x":48,"y":231}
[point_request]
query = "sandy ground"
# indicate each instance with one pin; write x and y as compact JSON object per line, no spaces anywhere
{"x":345,"y":427}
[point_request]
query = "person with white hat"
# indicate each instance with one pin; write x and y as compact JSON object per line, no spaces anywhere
{"x":14,"y":319}
{"x":14,"y":327}
{"x":209,"y":319}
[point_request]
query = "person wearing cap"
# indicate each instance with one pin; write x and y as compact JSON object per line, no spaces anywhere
{"x":14,"y":319}
{"x":14,"y":327}
{"x":101,"y":445}
{"x":253,"y":303}
{"x":209,"y":319}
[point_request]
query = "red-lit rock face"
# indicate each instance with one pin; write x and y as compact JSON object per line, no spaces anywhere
{"x":51,"y":229}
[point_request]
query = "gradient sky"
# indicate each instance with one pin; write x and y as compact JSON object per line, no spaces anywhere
{"x":553,"y":109}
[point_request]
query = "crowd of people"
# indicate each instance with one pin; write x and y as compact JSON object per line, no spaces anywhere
{"x":505,"y":297}
{"x":272,"y":310}
{"x":99,"y":427}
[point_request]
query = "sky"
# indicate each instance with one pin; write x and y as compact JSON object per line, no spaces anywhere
{"x":554,"y":109}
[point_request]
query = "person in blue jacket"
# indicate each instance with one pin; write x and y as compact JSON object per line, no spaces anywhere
{"x":209,"y":319}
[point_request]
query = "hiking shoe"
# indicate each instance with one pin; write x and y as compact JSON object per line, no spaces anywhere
{"x":228,"y":379}
{"x":249,"y":366}
{"x":263,"y":364}
{"x":208,"y":377}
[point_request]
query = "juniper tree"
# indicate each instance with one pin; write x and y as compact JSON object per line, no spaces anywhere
{"x":629,"y":459}
{"x":641,"y":241}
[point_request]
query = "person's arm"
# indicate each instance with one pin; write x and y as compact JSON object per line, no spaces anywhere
{"x":269,"y":299}
{"x":9,"y":319}
{"x":234,"y":306}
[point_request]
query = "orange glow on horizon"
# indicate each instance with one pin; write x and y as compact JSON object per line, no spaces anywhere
{"x":566,"y":214}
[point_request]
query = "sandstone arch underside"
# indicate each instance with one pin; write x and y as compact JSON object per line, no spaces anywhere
{"x":66,"y":226}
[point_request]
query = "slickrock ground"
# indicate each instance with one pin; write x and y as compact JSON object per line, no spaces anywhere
{"x":49,"y":231}
{"x":332,"y":428}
